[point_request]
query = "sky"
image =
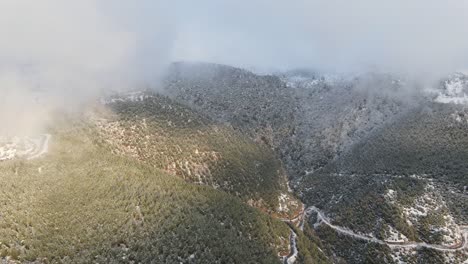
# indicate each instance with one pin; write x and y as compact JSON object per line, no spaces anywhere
{"x":125,"y":41}
{"x":75,"y":49}
{"x":415,"y":36}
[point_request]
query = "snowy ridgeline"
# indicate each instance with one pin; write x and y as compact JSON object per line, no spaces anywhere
{"x":23,"y":147}
{"x":452,"y":90}
{"x":298,"y":81}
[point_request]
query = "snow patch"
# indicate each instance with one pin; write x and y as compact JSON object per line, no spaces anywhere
{"x":308,"y":82}
{"x":23,"y":147}
{"x":391,"y":196}
{"x":432,"y":203}
{"x":283,"y":203}
{"x":395,"y":236}
{"x":454,"y":90}
{"x":126,"y":97}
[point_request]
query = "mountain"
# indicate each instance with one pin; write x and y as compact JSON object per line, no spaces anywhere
{"x":379,"y":164}
{"x":222,"y":165}
{"x":308,"y":122}
{"x":174,"y":138}
{"x":139,"y":178}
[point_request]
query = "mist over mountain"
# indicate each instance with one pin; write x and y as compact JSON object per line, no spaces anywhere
{"x":122,"y":44}
{"x":385,"y":169}
{"x":233,"y":131}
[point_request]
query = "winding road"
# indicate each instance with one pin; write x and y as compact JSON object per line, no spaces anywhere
{"x":291,"y":258}
{"x":322,"y":219}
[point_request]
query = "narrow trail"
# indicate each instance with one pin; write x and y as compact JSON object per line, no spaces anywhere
{"x":322,"y":219}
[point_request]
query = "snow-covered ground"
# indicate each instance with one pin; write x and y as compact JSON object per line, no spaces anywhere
{"x":283,"y":206}
{"x":43,"y":147}
{"x":454,"y":90}
{"x":23,"y":147}
{"x":394,"y":236}
{"x":126,"y":97}
{"x":298,"y":80}
{"x":391,"y":196}
{"x":432,"y":203}
{"x":286,"y":203}
{"x":322,"y":219}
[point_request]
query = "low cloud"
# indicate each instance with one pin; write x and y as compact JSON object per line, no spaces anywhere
{"x":57,"y":54}
{"x":411,"y":37}
{"x":72,"y":50}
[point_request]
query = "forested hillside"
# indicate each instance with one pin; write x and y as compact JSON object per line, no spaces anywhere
{"x":167,"y":135}
{"x":381,"y":160}
{"x":80,"y":204}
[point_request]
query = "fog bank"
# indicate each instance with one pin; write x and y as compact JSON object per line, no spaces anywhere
{"x":69,"y":51}
{"x":416,"y":37}
{"x":57,"y":54}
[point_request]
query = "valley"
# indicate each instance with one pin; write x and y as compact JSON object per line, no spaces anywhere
{"x":222,"y":165}
{"x":372,"y":160}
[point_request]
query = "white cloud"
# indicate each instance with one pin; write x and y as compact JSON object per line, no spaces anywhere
{"x":70,"y":50}
{"x":75,"y":48}
{"x":409,"y":36}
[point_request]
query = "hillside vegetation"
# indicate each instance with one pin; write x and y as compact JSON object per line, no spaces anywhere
{"x":430,"y":140}
{"x":259,"y":106}
{"x":308,"y":121}
{"x":378,"y":158}
{"x":80,"y":204}
{"x":166,"y":135}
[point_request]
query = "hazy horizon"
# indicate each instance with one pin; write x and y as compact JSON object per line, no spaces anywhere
{"x":74,"y":50}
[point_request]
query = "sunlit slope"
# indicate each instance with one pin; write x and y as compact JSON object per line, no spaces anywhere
{"x":79,"y":204}
{"x":166,"y":135}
